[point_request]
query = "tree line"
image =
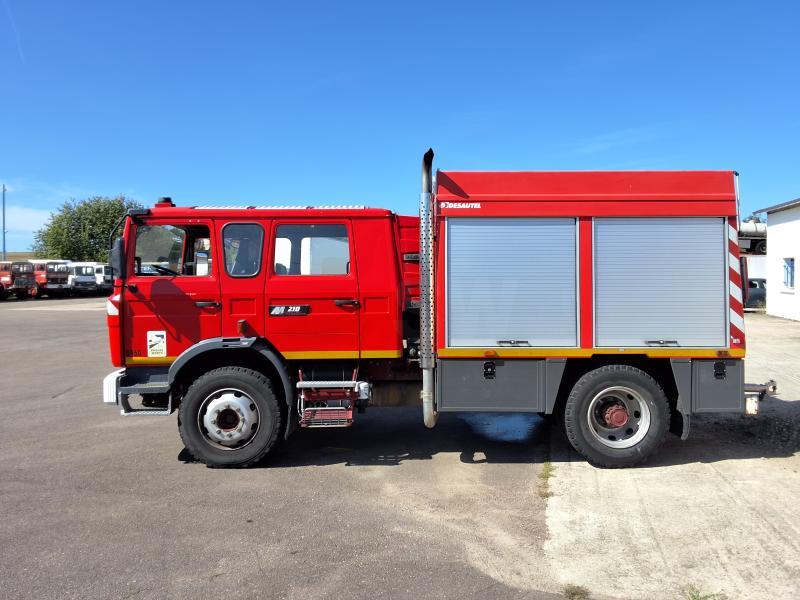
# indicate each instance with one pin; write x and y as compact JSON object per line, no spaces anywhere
{"x":79,"y":230}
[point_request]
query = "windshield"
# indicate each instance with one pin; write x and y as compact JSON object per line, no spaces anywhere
{"x":57,"y":268}
{"x":22,"y":268}
{"x":84,"y":270}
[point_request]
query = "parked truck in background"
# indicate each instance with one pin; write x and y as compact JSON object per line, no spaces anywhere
{"x":23,"y":280}
{"x":103,"y":278}
{"x":256,"y":322}
{"x":82,"y":279}
{"x":51,"y":277}
{"x":5,"y":279}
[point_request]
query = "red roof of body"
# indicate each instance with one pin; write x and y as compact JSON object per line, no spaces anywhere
{"x":587,"y":193}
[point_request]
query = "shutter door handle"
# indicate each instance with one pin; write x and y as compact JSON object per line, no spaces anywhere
{"x":346,"y":302}
{"x":207,"y":304}
{"x":662,"y":342}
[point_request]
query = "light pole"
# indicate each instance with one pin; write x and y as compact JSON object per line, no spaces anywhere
{"x":4,"y":221}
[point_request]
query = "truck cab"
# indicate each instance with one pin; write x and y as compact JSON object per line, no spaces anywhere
{"x":104,"y":278}
{"x":81,"y":279}
{"x":23,"y":284}
{"x":51,"y":277}
{"x":5,"y":279}
{"x":298,"y":294}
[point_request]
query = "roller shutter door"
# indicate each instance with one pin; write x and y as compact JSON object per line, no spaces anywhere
{"x":511,"y":279}
{"x":660,"y":279}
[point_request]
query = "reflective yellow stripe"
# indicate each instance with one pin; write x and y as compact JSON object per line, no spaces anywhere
{"x":587,"y":352}
{"x":321,"y":354}
{"x":381,"y":353}
{"x":146,"y":360}
{"x":304,"y":355}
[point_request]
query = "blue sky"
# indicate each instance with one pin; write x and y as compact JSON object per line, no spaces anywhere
{"x":334,"y":102}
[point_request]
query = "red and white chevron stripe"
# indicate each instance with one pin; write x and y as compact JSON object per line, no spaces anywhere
{"x":735,"y":277}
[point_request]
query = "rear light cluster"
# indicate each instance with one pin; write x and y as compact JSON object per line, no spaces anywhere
{"x":113,"y":305}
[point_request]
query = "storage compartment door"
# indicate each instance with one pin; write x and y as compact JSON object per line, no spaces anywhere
{"x":511,"y":280}
{"x":660,"y":279}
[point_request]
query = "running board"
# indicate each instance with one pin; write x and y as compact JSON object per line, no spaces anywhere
{"x":126,"y":410}
{"x":330,"y":403}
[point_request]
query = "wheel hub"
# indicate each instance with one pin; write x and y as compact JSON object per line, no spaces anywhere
{"x":230,"y":418}
{"x":616,"y":416}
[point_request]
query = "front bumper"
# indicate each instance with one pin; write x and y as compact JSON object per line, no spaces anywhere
{"x":111,"y":383}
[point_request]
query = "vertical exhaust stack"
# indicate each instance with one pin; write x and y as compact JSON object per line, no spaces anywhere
{"x":426,"y":287}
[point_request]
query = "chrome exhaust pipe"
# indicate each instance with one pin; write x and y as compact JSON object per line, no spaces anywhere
{"x":426,"y":287}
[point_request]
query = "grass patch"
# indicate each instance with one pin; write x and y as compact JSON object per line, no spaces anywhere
{"x":576,"y":592}
{"x":690,"y":592}
{"x":544,"y":479}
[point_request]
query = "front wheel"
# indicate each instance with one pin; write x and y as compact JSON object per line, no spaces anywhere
{"x":616,"y":416}
{"x":230,"y":417}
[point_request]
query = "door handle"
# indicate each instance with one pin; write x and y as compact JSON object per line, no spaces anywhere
{"x":207,"y":304}
{"x":346,"y":302}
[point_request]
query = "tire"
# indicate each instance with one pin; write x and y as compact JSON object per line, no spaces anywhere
{"x":598,"y":403}
{"x":225,"y":391}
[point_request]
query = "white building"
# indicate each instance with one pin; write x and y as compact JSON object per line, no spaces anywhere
{"x":783,"y":250}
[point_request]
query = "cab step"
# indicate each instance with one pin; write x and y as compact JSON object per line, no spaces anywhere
{"x":330,"y":403}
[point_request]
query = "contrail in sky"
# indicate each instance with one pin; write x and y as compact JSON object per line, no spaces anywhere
{"x":16,"y":31}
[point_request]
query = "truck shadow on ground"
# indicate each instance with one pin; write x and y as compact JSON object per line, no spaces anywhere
{"x":391,"y":436}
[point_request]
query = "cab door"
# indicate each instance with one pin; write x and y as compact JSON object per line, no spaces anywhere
{"x":312,"y":289}
{"x":172,"y":297}
{"x":242,"y":275}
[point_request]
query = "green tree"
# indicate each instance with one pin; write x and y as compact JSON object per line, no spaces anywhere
{"x":80,"y":229}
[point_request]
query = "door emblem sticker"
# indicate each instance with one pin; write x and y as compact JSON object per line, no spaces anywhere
{"x":156,"y":344}
{"x":291,"y":310}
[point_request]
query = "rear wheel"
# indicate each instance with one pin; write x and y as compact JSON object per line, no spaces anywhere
{"x":230,"y":417}
{"x":616,"y":416}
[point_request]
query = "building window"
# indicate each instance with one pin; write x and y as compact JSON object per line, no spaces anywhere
{"x":788,"y":273}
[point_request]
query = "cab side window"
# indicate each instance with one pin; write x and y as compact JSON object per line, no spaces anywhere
{"x":243,"y":244}
{"x":173,"y":251}
{"x":312,"y":250}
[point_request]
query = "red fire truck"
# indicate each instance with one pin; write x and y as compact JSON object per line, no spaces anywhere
{"x":6,"y":279}
{"x":51,"y":277}
{"x":559,"y":293}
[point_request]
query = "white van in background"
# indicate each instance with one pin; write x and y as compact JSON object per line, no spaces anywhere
{"x":82,"y":277}
{"x":104,"y":278}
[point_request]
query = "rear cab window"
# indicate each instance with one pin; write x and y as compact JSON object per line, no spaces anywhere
{"x":173,"y":250}
{"x":320,"y":249}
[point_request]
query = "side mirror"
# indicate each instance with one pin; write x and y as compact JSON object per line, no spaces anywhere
{"x":118,"y":258}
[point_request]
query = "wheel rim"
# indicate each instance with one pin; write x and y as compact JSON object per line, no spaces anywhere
{"x":228,"y":419}
{"x":618,"y":417}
